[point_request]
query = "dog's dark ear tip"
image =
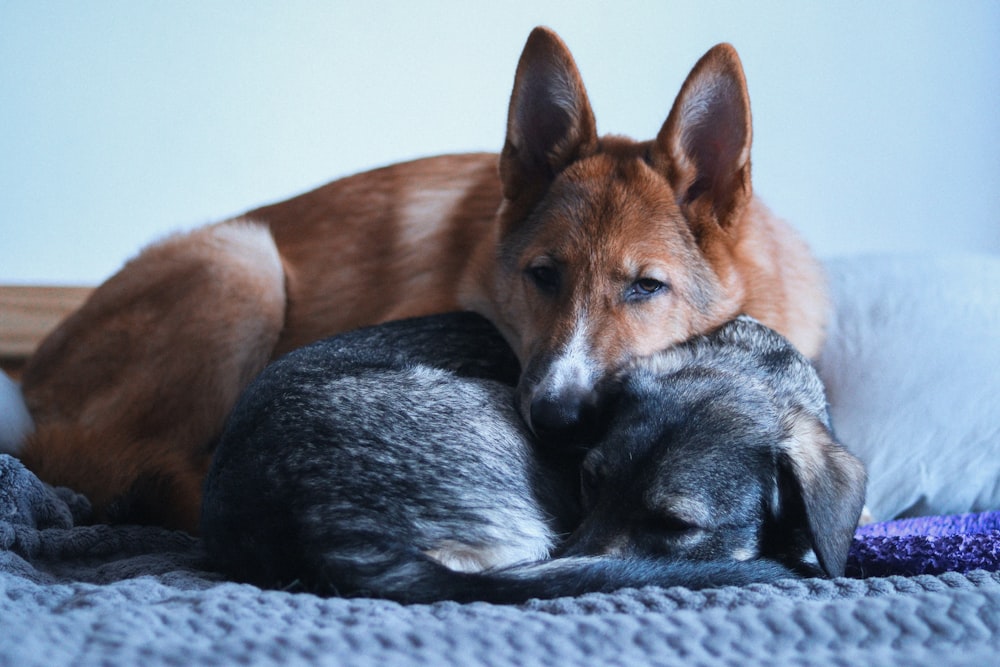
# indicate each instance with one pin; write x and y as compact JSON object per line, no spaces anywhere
{"x":833,"y":557}
{"x":724,"y":52}
{"x":543,"y":32}
{"x":831,"y":483}
{"x":545,"y":43}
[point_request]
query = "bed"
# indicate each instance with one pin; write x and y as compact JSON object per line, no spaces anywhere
{"x":912,"y":367}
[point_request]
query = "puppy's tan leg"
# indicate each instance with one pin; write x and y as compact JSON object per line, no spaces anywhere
{"x":129,"y":393}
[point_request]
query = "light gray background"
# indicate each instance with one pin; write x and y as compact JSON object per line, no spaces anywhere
{"x":877,"y":125}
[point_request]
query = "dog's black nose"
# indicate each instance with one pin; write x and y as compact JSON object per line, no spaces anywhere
{"x":553,"y":416}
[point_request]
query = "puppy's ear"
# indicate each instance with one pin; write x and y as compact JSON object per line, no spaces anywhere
{"x":704,"y":146}
{"x":549,"y":122}
{"x":829,"y":483}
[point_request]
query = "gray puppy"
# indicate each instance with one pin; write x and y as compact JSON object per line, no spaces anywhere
{"x":722,"y":448}
{"x":391,"y":462}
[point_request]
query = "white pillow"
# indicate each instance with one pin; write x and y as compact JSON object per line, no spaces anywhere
{"x":912,"y":369}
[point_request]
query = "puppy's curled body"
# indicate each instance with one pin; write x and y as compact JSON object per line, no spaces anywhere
{"x":391,"y":462}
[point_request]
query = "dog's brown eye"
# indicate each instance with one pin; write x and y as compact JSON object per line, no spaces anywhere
{"x":648,"y":285}
{"x":545,"y":277}
{"x":644,"y":287}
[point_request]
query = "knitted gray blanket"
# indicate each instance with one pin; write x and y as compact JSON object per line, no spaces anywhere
{"x":127,"y":595}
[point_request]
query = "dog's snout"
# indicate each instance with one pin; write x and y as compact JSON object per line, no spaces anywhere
{"x":558,"y":389}
{"x":553,"y":415}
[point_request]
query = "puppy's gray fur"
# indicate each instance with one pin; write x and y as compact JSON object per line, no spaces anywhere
{"x":391,"y":462}
{"x":722,"y":448}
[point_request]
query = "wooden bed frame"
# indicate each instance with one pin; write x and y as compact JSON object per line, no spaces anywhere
{"x":27,"y":314}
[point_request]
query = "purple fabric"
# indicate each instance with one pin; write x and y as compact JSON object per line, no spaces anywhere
{"x":937,"y":526}
{"x":926,"y":545}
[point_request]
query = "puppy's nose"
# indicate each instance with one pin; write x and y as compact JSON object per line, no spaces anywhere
{"x":560,"y":414}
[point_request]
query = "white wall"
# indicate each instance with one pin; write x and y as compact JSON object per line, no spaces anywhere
{"x":877,"y":125}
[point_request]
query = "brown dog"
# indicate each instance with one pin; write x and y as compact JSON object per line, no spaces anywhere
{"x":586,"y":252}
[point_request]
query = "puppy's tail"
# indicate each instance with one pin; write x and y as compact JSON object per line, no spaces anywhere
{"x":578,"y":575}
{"x":411,"y":577}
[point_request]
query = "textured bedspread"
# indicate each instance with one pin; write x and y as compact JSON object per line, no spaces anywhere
{"x":75,"y":594}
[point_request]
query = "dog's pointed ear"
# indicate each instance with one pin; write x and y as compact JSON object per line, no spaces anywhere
{"x":549,"y":122}
{"x":829,"y":483}
{"x":704,"y":146}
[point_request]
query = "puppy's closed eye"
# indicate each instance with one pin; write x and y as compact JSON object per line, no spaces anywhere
{"x":678,"y":511}
{"x":672,"y":523}
{"x":672,"y":530}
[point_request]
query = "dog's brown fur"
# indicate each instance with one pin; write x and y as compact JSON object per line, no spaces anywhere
{"x":586,"y":252}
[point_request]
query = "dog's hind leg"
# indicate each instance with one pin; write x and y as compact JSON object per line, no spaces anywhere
{"x":130,"y":392}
